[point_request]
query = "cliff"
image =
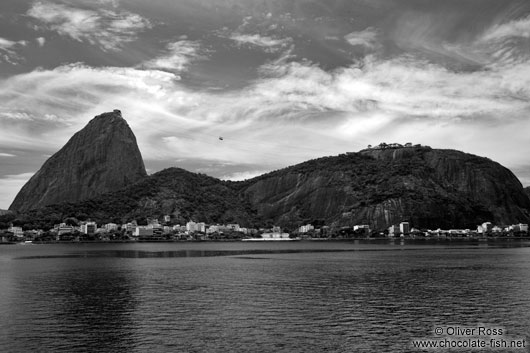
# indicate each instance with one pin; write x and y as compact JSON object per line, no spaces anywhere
{"x":102,"y":157}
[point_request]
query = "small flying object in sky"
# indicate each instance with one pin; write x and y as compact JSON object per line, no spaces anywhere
{"x":221,"y":138}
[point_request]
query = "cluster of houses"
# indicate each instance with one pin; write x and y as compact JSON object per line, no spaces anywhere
{"x":404,"y":229}
{"x":154,"y":230}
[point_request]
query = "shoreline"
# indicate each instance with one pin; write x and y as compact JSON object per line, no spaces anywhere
{"x":386,"y":240}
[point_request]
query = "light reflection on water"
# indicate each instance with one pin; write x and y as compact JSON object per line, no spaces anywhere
{"x":242,"y":297}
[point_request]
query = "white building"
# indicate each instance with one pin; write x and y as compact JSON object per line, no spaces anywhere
{"x":275,"y":236}
{"x":191,"y":227}
{"x":143,"y":231}
{"x":111,"y":226}
{"x":485,"y":227}
{"x":63,"y":228}
{"x":234,"y":227}
{"x":212,"y":229}
{"x":365,"y":227}
{"x":306,"y":228}
{"x":89,"y":228}
{"x":393,"y":230}
{"x":17,"y":231}
{"x":404,"y":227}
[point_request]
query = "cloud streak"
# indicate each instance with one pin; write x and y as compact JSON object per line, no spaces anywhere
{"x":268,"y":43}
{"x":515,"y":28}
{"x":108,"y":29}
{"x":8,"y":50}
{"x":178,"y":56}
{"x":365,"y":38}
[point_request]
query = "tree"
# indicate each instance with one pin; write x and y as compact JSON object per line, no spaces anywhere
{"x":71,"y":221}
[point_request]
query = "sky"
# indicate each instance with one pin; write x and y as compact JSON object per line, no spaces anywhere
{"x":281,"y":81}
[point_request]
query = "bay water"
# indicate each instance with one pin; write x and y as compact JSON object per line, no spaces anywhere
{"x":307,"y":296}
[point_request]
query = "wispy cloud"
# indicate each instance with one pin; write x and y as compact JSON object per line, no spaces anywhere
{"x":8,"y":155}
{"x":514,"y":28}
{"x":8,"y":50}
{"x":366,"y":38}
{"x":6,"y":44}
{"x":179,"y":55}
{"x":107,"y":28}
{"x":268,"y":43}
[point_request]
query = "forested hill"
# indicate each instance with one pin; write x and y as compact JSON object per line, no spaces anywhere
{"x":428,"y":187}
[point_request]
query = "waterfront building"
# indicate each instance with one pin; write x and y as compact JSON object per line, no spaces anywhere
{"x":212,"y":229}
{"x":486,"y":227}
{"x":17,"y":231}
{"x":201,"y":227}
{"x":275,"y":236}
{"x":404,"y":227}
{"x":156,"y":227}
{"x":63,"y":228}
{"x":523,"y":227}
{"x":89,"y":228}
{"x":129,"y":227}
{"x":110,"y":226}
{"x":234,"y":227}
{"x":496,"y":229}
{"x":364,"y":227}
{"x":191,"y":227}
{"x":393,"y":230}
{"x":306,"y":228}
{"x":143,"y":231}
{"x":179,"y":228}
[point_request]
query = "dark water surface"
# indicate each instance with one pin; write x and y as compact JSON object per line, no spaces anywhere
{"x":256,"y":297}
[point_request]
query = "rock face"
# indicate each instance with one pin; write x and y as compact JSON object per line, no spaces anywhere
{"x":429,"y":188}
{"x":102,"y":157}
{"x":527,"y":191}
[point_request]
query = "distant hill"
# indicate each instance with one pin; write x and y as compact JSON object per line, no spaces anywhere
{"x":102,"y":157}
{"x":380,"y":187}
{"x":428,"y":187}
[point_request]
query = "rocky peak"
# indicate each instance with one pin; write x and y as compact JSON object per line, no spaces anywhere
{"x":102,"y":157}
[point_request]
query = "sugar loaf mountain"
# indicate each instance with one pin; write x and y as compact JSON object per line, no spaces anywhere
{"x":100,"y":175}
